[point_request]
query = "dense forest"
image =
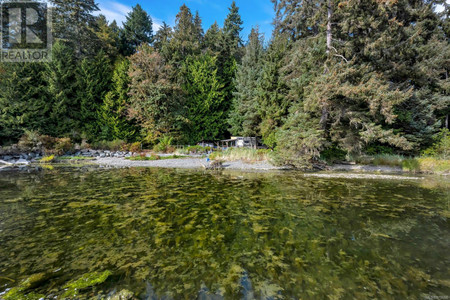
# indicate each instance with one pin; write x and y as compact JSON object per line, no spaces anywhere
{"x":345,"y":76}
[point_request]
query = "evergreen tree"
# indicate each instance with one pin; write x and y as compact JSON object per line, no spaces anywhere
{"x":72,"y":24}
{"x":93,"y":81}
{"x":198,"y":28}
{"x":213,"y":40}
{"x":162,"y":40}
{"x":232,"y":29}
{"x":61,"y":82}
{"x":245,"y":116}
{"x":155,"y":102}
{"x":108,"y":36}
{"x":185,"y":40}
{"x":113,"y":115}
{"x":23,"y":101}
{"x":272,"y":90}
{"x":137,"y":30}
{"x":204,"y":97}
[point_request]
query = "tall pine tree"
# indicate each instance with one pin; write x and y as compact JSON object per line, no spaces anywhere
{"x":245,"y":116}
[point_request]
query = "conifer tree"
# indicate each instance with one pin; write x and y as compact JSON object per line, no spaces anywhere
{"x":108,"y":36}
{"x":272,"y":90}
{"x":23,"y":101}
{"x":204,"y":100}
{"x":72,"y":24}
{"x":113,"y":116}
{"x":245,"y":116}
{"x":155,"y":102}
{"x":137,"y":30}
{"x":93,"y":81}
{"x":213,"y":40}
{"x":185,"y":40}
{"x":162,"y":39}
{"x":232,"y":29}
{"x":198,"y":28}
{"x":61,"y":84}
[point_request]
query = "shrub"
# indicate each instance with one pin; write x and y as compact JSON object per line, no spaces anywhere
{"x":135,"y":147}
{"x":244,"y":154}
{"x":195,"y":149}
{"x":411,"y":165}
{"x":47,"y":159}
{"x":144,"y":158}
{"x":115,"y":145}
{"x":441,"y":147}
{"x":164,"y":145}
{"x":62,"y":146}
{"x":29,"y":140}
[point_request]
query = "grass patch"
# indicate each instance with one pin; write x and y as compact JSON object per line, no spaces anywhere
{"x":75,"y":158}
{"x":381,"y":160}
{"x":47,"y":159}
{"x":153,"y":157}
{"x":244,"y":154}
{"x":431,"y":165}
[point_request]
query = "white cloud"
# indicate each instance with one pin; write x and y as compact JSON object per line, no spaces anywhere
{"x":113,"y":10}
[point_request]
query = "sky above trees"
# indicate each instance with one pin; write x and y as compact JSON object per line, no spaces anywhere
{"x":253,"y":12}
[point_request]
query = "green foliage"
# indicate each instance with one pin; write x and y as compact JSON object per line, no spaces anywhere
{"x":75,"y":158}
{"x":367,"y":77}
{"x":411,"y":165}
{"x":185,"y":40}
{"x":272,"y":90}
{"x":374,"y":149}
{"x":93,"y":81}
{"x":441,"y":147}
{"x":72,"y":23}
{"x":164,"y":145}
{"x":48,"y":159}
{"x":137,"y":30}
{"x":29,"y":140}
{"x":156,"y":103}
{"x":333,"y":154}
{"x":23,"y":100}
{"x":86,"y":281}
{"x":114,"y":145}
{"x":245,"y":115}
{"x":243,"y":154}
{"x":64,"y":109}
{"x":113,"y":113}
{"x":204,"y":95}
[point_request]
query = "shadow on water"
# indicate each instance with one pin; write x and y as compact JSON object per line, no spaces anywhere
{"x":180,"y":234}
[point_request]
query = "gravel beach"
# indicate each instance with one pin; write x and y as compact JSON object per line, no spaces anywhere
{"x":184,"y":163}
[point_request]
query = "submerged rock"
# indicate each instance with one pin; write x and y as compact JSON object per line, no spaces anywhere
{"x":122,"y":295}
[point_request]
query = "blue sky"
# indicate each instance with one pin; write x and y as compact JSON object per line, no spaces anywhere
{"x":253,"y":12}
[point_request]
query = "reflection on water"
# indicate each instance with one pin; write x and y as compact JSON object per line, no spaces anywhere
{"x":178,"y":234}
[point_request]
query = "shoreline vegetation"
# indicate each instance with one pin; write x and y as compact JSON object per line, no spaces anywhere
{"x":196,"y":157}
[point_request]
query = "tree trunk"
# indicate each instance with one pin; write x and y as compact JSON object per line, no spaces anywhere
{"x":324,"y":118}
{"x":329,"y":34}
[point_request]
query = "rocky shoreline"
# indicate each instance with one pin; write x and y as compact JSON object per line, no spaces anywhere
{"x":118,"y":159}
{"x":33,"y":157}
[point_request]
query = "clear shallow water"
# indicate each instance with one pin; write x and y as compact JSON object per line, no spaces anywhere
{"x":186,"y":234}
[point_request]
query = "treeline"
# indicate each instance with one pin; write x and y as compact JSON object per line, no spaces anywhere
{"x":336,"y":76}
